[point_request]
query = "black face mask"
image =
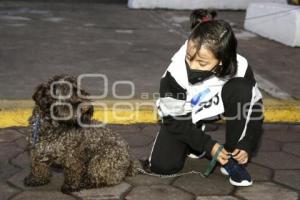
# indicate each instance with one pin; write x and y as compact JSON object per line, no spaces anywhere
{"x":196,"y":75}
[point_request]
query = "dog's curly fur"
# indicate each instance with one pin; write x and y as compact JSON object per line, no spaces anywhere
{"x":90,"y":157}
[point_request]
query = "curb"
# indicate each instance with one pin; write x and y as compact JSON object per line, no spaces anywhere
{"x":16,"y":112}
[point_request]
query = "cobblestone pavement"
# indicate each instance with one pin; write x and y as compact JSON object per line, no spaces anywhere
{"x":275,"y":170}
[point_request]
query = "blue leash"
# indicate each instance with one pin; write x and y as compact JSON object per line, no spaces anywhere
{"x":36,"y":129}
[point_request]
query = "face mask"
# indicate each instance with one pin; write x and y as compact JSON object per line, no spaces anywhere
{"x":196,"y":75}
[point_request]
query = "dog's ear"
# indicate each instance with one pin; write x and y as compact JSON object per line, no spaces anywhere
{"x":39,"y":96}
{"x":87,"y":112}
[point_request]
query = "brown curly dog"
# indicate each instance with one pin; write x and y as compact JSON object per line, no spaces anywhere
{"x":90,"y":156}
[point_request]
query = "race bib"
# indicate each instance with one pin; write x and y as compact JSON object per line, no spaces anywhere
{"x":206,"y":104}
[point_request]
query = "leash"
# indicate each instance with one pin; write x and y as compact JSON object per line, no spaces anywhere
{"x":36,"y":130}
{"x":213,"y":162}
{"x":210,"y":167}
{"x":169,"y":176}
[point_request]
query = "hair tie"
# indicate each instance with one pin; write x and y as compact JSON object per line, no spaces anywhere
{"x":205,"y":19}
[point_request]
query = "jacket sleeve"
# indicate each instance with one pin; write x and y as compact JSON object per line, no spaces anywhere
{"x":254,"y":130}
{"x":181,"y":126}
{"x":254,"y":127}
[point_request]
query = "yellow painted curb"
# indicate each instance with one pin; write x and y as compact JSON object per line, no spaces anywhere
{"x":16,"y":112}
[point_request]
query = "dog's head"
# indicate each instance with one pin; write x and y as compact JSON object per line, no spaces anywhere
{"x":61,"y":100}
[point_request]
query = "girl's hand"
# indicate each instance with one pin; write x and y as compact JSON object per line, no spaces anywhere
{"x":223,"y":156}
{"x":240,"y":155}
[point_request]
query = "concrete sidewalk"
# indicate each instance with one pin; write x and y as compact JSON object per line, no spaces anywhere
{"x":42,"y":39}
{"x":275,"y":170}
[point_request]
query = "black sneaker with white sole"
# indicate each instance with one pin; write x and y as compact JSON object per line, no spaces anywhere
{"x":238,"y":174}
{"x":196,"y":156}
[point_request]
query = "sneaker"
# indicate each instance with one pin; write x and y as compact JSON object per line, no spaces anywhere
{"x":238,"y":174}
{"x":194,"y":156}
{"x":224,"y":171}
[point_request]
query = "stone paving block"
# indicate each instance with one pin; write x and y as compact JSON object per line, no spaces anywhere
{"x":266,"y":191}
{"x":7,"y":191}
{"x":147,"y":180}
{"x":294,"y":128}
{"x":9,"y":151}
{"x":259,"y":173}
{"x":158,"y":192}
{"x":137,"y":139}
{"x":24,"y":130}
{"x":213,"y":185}
{"x":54,"y":185}
{"x":22,"y":160}
{"x":288,"y":177}
{"x":121,"y":128}
{"x":268,"y":145}
{"x":112,"y":192}
{"x":195,"y":164}
{"x":216,"y":198}
{"x":293,"y":148}
{"x":140,"y":152}
{"x":9,"y":135}
{"x":277,"y":160}
{"x":151,"y":129}
{"x":276,"y":127}
{"x":7,"y":170}
{"x":45,"y":195}
{"x":282,"y":136}
{"x":21,"y":143}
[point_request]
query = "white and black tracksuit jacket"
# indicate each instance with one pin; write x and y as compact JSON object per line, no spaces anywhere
{"x":184,"y":108}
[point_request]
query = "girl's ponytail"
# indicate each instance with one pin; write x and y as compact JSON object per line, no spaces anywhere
{"x":199,"y":16}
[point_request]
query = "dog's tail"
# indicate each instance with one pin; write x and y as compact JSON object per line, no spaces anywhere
{"x":135,"y":164}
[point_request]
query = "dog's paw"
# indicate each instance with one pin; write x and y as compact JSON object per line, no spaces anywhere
{"x":32,"y":181}
{"x":67,"y":189}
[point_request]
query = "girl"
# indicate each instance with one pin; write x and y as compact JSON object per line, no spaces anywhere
{"x":206,"y":81}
